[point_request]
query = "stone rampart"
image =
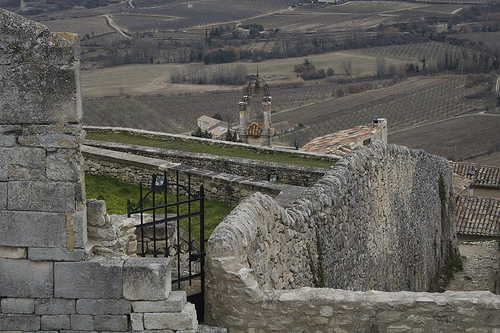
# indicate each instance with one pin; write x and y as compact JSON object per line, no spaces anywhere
{"x":49,"y":280}
{"x":253,"y":169}
{"x":382,"y":219}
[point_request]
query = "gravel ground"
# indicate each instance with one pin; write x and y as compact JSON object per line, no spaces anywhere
{"x":480,"y":260}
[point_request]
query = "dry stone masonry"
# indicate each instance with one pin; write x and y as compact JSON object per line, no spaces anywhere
{"x":382,"y":219}
{"x":49,"y":279}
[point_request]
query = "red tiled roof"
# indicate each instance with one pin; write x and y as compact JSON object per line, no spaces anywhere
{"x":481,"y":176}
{"x":255,"y":129}
{"x":341,"y":142}
{"x":478,"y":216}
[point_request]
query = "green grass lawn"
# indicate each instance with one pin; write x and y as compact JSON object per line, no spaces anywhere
{"x":207,"y":149}
{"x":115,"y":193}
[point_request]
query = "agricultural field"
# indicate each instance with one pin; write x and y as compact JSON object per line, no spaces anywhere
{"x":472,"y":138}
{"x":87,"y":27}
{"x":140,"y":79}
{"x":412,"y":102}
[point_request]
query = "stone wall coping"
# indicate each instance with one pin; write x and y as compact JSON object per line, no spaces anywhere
{"x":161,"y":165}
{"x":188,"y":138}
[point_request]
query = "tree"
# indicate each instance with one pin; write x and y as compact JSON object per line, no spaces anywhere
{"x":381,"y":67}
{"x":347,"y":67}
{"x":201,"y":134}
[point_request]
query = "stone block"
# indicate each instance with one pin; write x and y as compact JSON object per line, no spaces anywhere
{"x":96,"y":212}
{"x":11,"y":252}
{"x":55,"y":322}
{"x":37,"y":229}
{"x":19,"y":322}
{"x":64,"y":165}
{"x":137,"y":321}
{"x":96,"y":278}
{"x":55,"y":253}
{"x":147,"y":279}
{"x":185,"y":320}
{"x":26,"y":278}
{"x":51,"y":140}
{"x":175,"y":303}
{"x":53,"y":197}
{"x":3,"y":195}
{"x":82,"y":322}
{"x":17,"y":305}
{"x":20,"y":163}
{"x":32,"y":52}
{"x":103,"y":306}
{"x":76,"y":230}
{"x":54,"y":306}
{"x":116,"y":323}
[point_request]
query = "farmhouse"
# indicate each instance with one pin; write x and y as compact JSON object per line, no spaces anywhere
{"x":343,"y":142}
{"x":218,"y":128}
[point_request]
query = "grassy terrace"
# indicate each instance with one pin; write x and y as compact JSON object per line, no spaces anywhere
{"x":115,"y":193}
{"x":206,"y":149}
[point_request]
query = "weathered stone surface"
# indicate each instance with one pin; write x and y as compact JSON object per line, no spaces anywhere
{"x":96,"y":212}
{"x":55,"y":253}
{"x":19,"y":228}
{"x":10,"y":252}
{"x":103,"y":306}
{"x":32,"y":52}
{"x":117,"y":323}
{"x":96,"y":278}
{"x":64,"y":166}
{"x":186,"y":320}
{"x":41,"y":196}
{"x":18,"y":305}
{"x":3,"y":195}
{"x":55,"y":322}
{"x":137,"y":321}
{"x":19,"y":322}
{"x":82,"y":322}
{"x":54,"y":306}
{"x":26,"y":278}
{"x":22,"y":164}
{"x":147,"y":279}
{"x":175,"y":303}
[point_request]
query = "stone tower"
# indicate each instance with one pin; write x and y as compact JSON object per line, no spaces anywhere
{"x":256,"y":86}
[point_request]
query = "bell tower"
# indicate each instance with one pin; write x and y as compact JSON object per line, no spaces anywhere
{"x":256,"y":86}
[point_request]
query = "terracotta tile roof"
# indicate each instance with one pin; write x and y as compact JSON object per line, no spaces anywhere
{"x":341,"y":142}
{"x":481,"y":176}
{"x":256,"y":129}
{"x":478,"y":216}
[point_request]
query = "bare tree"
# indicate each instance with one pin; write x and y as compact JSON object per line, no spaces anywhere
{"x":347,"y":67}
{"x":381,"y":67}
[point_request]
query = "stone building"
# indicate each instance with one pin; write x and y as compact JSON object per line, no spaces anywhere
{"x":342,"y":142}
{"x":256,"y":133}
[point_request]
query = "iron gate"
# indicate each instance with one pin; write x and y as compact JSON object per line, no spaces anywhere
{"x":161,"y":233}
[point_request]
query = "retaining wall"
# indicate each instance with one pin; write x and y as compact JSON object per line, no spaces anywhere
{"x":135,"y":169}
{"x":382,"y":219}
{"x":253,"y":169}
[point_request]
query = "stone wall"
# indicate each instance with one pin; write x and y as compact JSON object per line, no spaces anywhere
{"x":212,"y":142}
{"x":253,"y":169}
{"x":49,"y":280}
{"x":135,"y":169}
{"x":382,"y":219}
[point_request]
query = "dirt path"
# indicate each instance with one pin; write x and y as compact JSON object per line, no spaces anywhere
{"x":480,"y":260}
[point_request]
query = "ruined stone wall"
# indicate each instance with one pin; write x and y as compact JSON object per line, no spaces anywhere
{"x":48,"y":279}
{"x":382,"y":219}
